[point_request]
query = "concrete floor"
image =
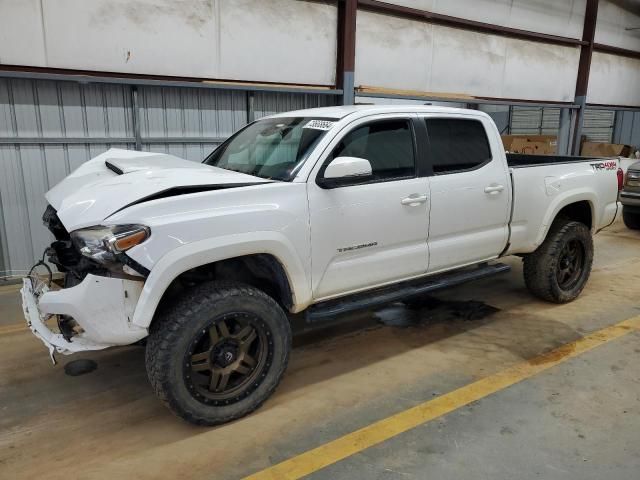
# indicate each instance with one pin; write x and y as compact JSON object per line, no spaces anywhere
{"x":579,"y":419}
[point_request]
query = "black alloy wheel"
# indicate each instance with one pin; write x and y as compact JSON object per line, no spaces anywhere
{"x":570,"y":265}
{"x":228,"y":359}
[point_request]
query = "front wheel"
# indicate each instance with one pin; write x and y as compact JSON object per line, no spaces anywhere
{"x":218,"y":353}
{"x":559,"y":268}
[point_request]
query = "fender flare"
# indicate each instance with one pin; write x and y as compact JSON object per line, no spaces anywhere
{"x":562,"y":201}
{"x":203,"y":252}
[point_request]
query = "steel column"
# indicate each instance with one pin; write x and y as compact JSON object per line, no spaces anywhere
{"x":564,"y":132}
{"x":135,"y":105}
{"x":251,"y":111}
{"x":584,"y":66}
{"x":346,"y":58}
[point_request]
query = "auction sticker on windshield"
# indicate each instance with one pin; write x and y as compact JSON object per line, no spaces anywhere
{"x":319,"y":124}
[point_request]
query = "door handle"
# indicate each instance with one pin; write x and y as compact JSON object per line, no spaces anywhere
{"x":414,"y":199}
{"x":493,"y":189}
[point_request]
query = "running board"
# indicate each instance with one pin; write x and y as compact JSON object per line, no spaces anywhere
{"x":400,"y":291}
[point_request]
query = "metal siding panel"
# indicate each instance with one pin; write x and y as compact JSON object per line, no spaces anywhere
{"x":193,"y":152}
{"x":598,"y":125}
{"x":48,"y":108}
{"x":96,"y":149}
{"x":176,"y":150}
{"x":634,"y":137}
{"x":6,"y":111}
{"x":72,"y":111}
{"x":526,"y":120}
{"x":35,"y":186}
{"x":119,"y":112}
{"x":207,"y":148}
{"x":57,"y":164}
{"x":95,"y":112}
{"x":173,"y":112}
{"x":624,"y":127}
{"x":152,"y":112}
{"x":535,"y":121}
{"x":78,"y":154}
{"x":208,"y":113}
{"x":230,"y":111}
{"x":191,"y":116}
{"x":264,"y":104}
{"x":550,"y":121}
{"x":155,"y":147}
{"x":14,"y":210}
{"x":24,"y":103}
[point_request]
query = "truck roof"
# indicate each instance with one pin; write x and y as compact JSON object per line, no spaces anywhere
{"x":343,"y":111}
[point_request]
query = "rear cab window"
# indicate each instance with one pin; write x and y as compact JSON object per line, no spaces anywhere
{"x":457,"y":145}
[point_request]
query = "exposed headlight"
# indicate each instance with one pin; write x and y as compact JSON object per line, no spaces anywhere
{"x":103,"y":244}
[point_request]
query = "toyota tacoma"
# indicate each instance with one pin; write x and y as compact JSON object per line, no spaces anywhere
{"x":323,"y":211}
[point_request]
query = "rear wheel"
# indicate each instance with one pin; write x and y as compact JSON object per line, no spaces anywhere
{"x":631,"y":219}
{"x":560,"y":267}
{"x":219,"y":353}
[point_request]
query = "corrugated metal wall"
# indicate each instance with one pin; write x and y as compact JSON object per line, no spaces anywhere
{"x":627,"y":128}
{"x":47,"y":129}
{"x":534,"y":121}
{"x":598,"y":124}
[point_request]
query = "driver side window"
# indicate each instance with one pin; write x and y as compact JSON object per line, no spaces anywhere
{"x":387,"y":144}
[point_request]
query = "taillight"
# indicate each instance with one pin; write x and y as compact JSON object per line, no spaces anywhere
{"x":620,"y":179}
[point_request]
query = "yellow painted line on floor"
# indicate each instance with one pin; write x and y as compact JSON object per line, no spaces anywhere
{"x":354,"y":442}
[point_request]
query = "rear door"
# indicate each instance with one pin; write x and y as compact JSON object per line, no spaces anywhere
{"x":470,"y":194}
{"x":369,"y":234}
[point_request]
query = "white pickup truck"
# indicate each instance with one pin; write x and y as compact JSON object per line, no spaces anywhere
{"x":322,"y":210}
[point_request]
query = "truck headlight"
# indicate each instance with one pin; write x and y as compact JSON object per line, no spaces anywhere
{"x":633,"y":178}
{"x":103,"y":244}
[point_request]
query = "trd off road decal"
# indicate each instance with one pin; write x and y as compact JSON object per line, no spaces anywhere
{"x":598,"y":166}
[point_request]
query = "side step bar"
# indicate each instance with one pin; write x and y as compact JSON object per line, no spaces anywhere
{"x":380,"y":296}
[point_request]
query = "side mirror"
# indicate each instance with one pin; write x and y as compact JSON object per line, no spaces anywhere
{"x":345,"y":170}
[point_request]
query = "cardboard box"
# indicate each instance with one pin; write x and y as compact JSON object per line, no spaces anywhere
{"x":595,"y":149}
{"x":530,"y":144}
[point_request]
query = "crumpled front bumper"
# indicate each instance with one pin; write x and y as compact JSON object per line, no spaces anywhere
{"x":102,"y":306}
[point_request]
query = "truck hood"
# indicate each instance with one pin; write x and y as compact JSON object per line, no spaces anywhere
{"x":119,"y":178}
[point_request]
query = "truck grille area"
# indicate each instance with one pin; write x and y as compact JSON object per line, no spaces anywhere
{"x":63,"y":254}
{"x":53,"y":223}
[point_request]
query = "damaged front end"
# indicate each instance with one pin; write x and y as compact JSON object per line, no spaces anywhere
{"x":95,"y":304}
{"x":98,"y":250}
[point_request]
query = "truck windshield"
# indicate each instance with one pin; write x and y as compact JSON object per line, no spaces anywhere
{"x":272,"y":148}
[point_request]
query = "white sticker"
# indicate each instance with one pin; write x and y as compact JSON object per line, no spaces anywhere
{"x":319,"y":124}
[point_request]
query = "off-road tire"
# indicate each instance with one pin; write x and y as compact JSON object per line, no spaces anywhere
{"x":631,"y":219}
{"x":172,"y":333}
{"x":541,"y":266}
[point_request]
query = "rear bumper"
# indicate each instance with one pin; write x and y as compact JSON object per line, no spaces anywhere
{"x":101,"y":306}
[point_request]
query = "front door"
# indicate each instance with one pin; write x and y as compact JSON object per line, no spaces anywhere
{"x":364,"y":235}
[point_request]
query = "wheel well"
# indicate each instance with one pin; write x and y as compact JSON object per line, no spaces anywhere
{"x":262,"y":271}
{"x":579,"y":212}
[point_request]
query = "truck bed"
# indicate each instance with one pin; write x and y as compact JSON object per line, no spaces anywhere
{"x":554,"y":180}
